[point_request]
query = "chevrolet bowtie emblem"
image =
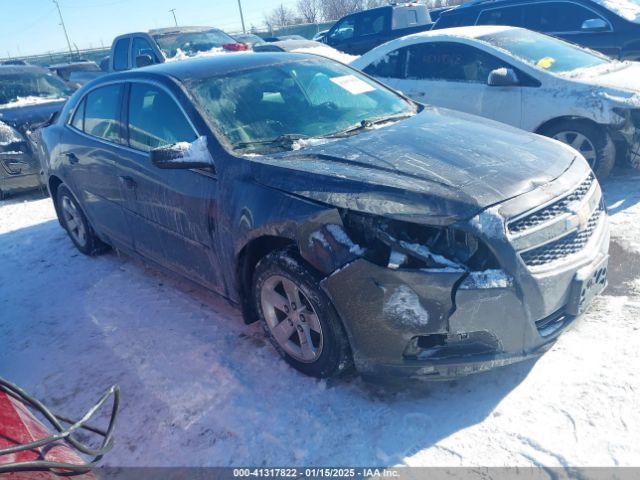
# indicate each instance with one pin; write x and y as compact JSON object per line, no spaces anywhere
{"x":582,"y":213}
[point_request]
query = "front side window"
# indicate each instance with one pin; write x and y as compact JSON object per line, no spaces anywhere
{"x":556,"y":17}
{"x":254,"y":109}
{"x":451,"y":62}
{"x":121,"y":54}
{"x":102,"y":113}
{"x":141,"y":46}
{"x":545,"y":52}
{"x":389,"y":66}
{"x":155,"y":120}
{"x":343,"y":31}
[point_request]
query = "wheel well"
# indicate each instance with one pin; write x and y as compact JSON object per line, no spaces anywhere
{"x":548,"y":125}
{"x":248,"y":258}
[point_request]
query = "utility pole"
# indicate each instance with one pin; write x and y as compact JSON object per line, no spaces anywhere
{"x":244,"y":30}
{"x":66,"y":35}
{"x":173,"y":11}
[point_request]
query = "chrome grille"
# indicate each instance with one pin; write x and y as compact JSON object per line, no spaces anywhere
{"x":552,"y":211}
{"x":565,"y":246}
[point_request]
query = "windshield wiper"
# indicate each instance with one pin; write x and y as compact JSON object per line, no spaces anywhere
{"x":370,"y":123}
{"x":285,"y":141}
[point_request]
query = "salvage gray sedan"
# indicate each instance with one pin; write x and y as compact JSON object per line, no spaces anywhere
{"x":360,"y":228}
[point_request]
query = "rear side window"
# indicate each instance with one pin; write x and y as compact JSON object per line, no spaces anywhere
{"x":371,"y":23}
{"x":155,"y":120}
{"x":449,"y":21}
{"x":511,"y":16}
{"x":102,"y":113}
{"x":121,"y":54}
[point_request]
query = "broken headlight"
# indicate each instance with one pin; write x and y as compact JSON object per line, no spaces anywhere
{"x":398,"y":244}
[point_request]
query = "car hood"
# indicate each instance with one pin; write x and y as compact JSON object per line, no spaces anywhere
{"x":439,"y":167}
{"x":616,"y":76}
{"x":26,"y":116}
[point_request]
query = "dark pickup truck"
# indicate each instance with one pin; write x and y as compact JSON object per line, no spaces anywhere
{"x":360,"y":32}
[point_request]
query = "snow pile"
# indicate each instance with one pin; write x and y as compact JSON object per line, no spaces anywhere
{"x":181,"y":55}
{"x":8,"y":135}
{"x":404,"y":305}
{"x":195,"y":151}
{"x":327,"y":52}
{"x":310,"y":142}
{"x":30,"y":100}
{"x":341,"y":237}
{"x":487,"y":279}
{"x":424,"y":252}
{"x":627,"y":9}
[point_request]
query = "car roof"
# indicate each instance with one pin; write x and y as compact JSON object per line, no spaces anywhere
{"x":222,"y":64}
{"x":17,"y":69}
{"x":464,"y":32}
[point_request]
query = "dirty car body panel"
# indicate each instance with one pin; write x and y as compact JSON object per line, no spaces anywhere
{"x":409,"y":225}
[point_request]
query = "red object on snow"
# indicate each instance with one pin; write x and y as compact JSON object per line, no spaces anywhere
{"x":236,"y":47}
{"x":18,"y":426}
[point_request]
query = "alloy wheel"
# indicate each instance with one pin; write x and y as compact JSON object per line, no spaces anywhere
{"x":581,"y":143}
{"x":291,"y":319}
{"x":73,"y":221}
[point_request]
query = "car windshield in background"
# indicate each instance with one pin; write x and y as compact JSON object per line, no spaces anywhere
{"x":191,"y":43}
{"x":31,"y":88}
{"x":545,"y":52}
{"x":260,"y":110}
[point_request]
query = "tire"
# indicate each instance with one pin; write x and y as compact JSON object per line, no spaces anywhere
{"x":590,"y":140}
{"x":306,"y":330}
{"x":76,"y":224}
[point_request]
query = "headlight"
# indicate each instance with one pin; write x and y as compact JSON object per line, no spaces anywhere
{"x":9,"y":135}
{"x":399,"y":244}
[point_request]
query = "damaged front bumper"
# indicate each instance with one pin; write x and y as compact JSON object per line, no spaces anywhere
{"x":441,"y":324}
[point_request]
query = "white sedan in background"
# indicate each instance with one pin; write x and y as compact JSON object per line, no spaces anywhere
{"x":522,"y":78}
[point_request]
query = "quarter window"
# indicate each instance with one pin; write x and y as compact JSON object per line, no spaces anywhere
{"x":155,"y":120}
{"x":102,"y":113}
{"x":78,"y":117}
{"x":450,"y":61}
{"x":121,"y":54}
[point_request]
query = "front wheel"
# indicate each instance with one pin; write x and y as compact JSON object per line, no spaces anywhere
{"x":298,"y":317}
{"x":75,"y":223}
{"x":595,"y":145}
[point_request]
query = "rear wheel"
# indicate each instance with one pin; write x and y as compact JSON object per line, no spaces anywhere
{"x":75,"y":223}
{"x":298,"y":317}
{"x":595,"y":145}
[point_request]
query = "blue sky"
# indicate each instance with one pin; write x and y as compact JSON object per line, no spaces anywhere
{"x":32,"y":26}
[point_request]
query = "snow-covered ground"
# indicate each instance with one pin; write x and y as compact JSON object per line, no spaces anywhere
{"x":201,"y":389}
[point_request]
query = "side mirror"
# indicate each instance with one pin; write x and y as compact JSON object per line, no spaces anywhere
{"x":594,"y":25}
{"x":503,"y":77}
{"x":143,"y":61}
{"x":182,"y":155}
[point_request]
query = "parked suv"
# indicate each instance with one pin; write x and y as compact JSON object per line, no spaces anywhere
{"x":612,"y":27}
{"x":361,"y":31}
{"x":358,"y":226}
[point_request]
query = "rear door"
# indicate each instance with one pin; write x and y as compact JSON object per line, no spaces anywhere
{"x":455,"y":75}
{"x":90,"y":149}
{"x":172,"y":213}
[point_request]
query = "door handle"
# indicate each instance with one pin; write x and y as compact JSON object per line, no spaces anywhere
{"x":72,"y":157}
{"x":128,"y":182}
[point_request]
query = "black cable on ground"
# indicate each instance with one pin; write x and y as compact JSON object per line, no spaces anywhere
{"x":63,"y":434}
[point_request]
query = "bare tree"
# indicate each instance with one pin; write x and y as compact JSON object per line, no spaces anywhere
{"x":310,"y":10}
{"x":279,"y":17}
{"x":335,"y":9}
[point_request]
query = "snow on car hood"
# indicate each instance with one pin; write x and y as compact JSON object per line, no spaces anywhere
{"x":619,"y":84}
{"x":439,"y":166}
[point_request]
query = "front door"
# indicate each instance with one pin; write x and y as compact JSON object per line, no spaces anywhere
{"x":172,"y":213}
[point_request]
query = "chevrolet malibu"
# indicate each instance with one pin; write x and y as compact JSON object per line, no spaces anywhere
{"x":360,"y":228}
